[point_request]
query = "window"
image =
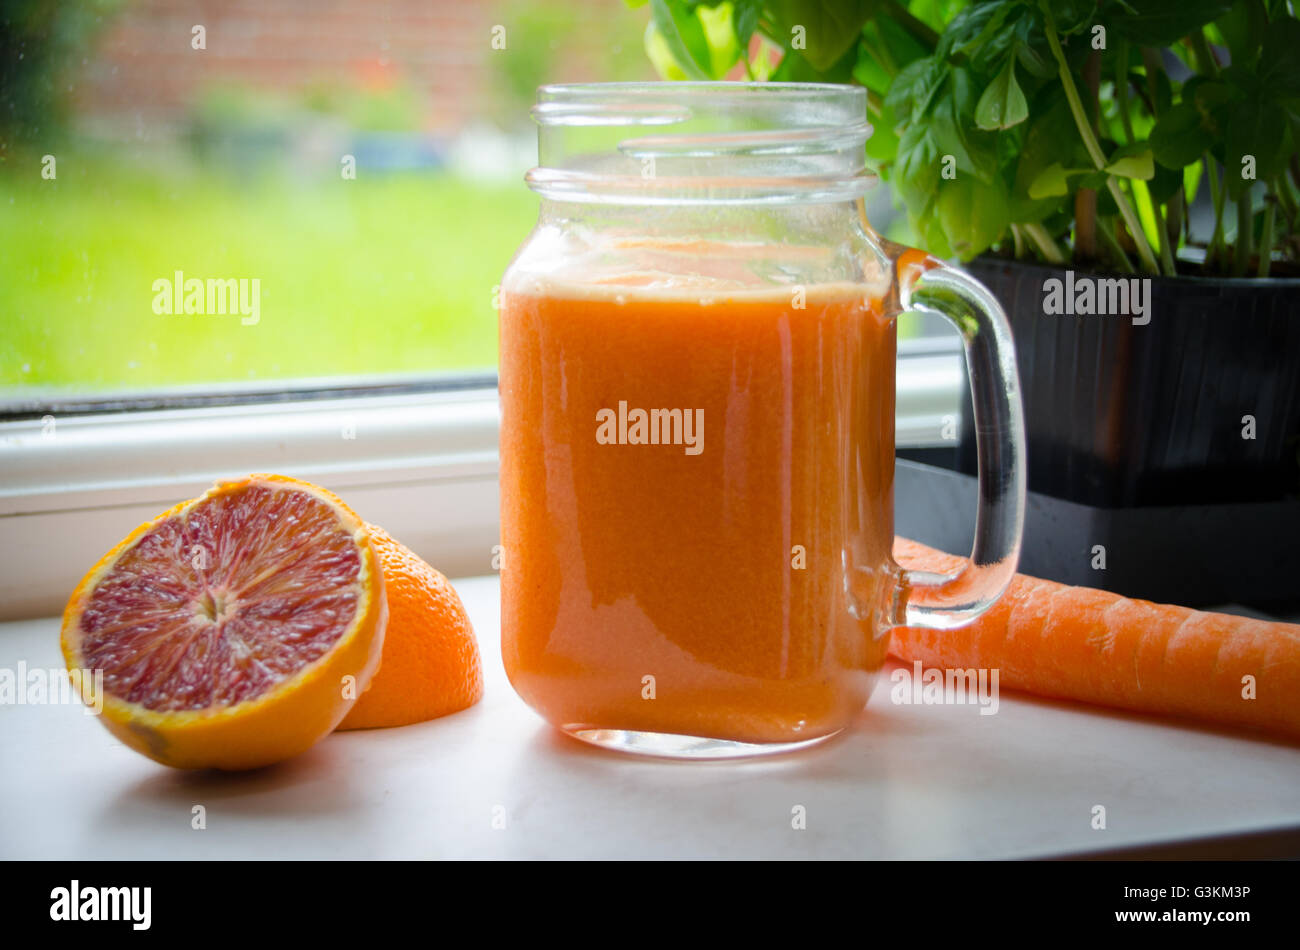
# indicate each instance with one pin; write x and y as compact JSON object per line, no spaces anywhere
{"x":268,"y":236}
{"x":222,"y":197}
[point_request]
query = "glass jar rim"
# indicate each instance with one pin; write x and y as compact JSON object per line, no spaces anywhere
{"x":701,"y":142}
{"x":720,"y":87}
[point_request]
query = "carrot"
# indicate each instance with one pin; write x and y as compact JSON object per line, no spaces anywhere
{"x":1091,"y":645}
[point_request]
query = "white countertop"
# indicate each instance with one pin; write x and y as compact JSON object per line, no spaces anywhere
{"x":905,"y":782}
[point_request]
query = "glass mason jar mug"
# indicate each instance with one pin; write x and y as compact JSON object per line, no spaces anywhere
{"x":697,"y":370}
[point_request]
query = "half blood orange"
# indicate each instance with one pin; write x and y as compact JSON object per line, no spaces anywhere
{"x":234,"y":630}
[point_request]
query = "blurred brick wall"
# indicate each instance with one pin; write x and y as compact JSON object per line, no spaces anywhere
{"x":143,"y":67}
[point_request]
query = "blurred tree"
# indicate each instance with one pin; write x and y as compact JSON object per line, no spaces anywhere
{"x":560,"y":42}
{"x":39,"y":39}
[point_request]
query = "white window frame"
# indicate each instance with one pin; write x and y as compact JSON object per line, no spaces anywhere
{"x":422,"y":464}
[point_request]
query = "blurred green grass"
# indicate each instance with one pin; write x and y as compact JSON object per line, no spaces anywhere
{"x":391,"y":274}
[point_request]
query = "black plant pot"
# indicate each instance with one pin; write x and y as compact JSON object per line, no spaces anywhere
{"x":1140,"y":480}
{"x":1124,"y":415}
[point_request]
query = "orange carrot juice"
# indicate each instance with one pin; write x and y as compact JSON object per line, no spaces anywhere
{"x":697,"y":505}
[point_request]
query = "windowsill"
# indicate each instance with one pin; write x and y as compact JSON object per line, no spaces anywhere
{"x":421,"y":464}
{"x":903,"y":782}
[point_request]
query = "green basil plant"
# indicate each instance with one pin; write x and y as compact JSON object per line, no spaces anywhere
{"x":1067,"y":131}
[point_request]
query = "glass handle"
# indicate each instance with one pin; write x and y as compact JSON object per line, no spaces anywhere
{"x":940,"y":601}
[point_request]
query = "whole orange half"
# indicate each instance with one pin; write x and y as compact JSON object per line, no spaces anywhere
{"x":234,"y":630}
{"x":431,"y":664}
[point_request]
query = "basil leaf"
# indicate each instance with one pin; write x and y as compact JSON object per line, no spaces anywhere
{"x":1164,"y":22}
{"x":1051,"y":137}
{"x":914,"y":87}
{"x":1132,"y":161}
{"x":1032,"y":49}
{"x":1052,"y":181}
{"x":1255,"y":130}
{"x":884,"y":142}
{"x":794,"y":68}
{"x":918,"y":166}
{"x":1003,"y":103}
{"x":830,"y":27}
{"x":1243,"y":29}
{"x":1071,"y":16}
{"x":1279,"y":60}
{"x":683,"y":33}
{"x":1165,"y":182}
{"x":744,"y":20}
{"x":973,"y":214}
{"x":1179,"y":138}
